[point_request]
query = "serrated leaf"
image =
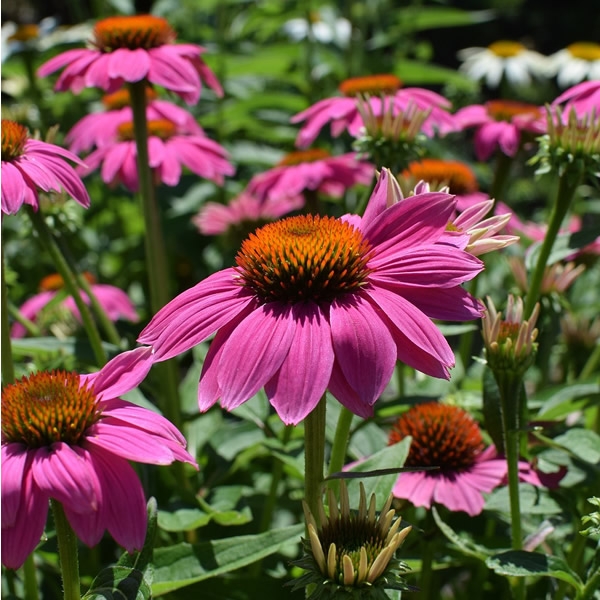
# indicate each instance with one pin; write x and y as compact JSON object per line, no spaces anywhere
{"x":533,"y":501}
{"x":181,"y":565}
{"x":119,"y":583}
{"x":519,"y":563}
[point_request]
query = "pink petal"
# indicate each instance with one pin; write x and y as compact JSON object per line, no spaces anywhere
{"x":129,"y":65}
{"x":14,"y":188}
{"x":63,"y":59}
{"x":456,"y":494}
{"x":242,"y":374}
{"x":417,"y":487}
{"x":346,"y":395}
{"x":14,"y":467}
{"x":363,"y":346}
{"x":302,"y":379}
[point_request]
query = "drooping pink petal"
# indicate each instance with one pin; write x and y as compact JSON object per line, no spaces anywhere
{"x":14,"y":465}
{"x":456,"y":494}
{"x":416,"y":487}
{"x":63,"y":59}
{"x":241,"y":375}
{"x":346,"y":395}
{"x":306,"y":370}
{"x":129,"y":65}
{"x":363,"y":346}
{"x":14,"y":189}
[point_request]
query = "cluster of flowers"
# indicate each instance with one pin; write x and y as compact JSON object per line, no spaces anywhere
{"x":329,"y":303}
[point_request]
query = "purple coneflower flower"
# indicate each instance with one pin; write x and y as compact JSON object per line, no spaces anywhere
{"x":130,"y":49}
{"x":500,"y":124}
{"x":318,"y":303}
{"x":447,"y":437}
{"x":31,"y":165}
{"x":583,"y":97}
{"x":69,"y":437}
{"x":114,"y":301}
{"x":101,"y":128}
{"x":168,"y":148}
{"x":384,"y":94}
{"x":311,"y":170}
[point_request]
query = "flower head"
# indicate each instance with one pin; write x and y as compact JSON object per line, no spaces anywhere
{"x":385,"y":94}
{"x":352,"y":552}
{"x":29,"y":166}
{"x":102,"y":128}
{"x":447,"y":437}
{"x":245,"y":212}
{"x":504,"y":58}
{"x":324,"y":25}
{"x":457,"y":176}
{"x":329,"y":304}
{"x":500,"y":125}
{"x":558,"y":277}
{"x":69,"y":437}
{"x":41,"y":310}
{"x":510,"y":340}
{"x":311,"y":170}
{"x":129,"y":49}
{"x":169,"y":149}
{"x":575,"y":63}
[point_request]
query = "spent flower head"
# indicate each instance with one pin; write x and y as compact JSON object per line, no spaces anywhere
{"x":510,"y":340}
{"x":350,"y":553}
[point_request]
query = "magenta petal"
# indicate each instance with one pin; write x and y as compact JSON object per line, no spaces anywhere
{"x":418,"y":488}
{"x":63,"y":473}
{"x":346,"y":395}
{"x":363,"y":346}
{"x":14,"y":467}
{"x":130,"y":65}
{"x":386,"y":192}
{"x":455,"y":493}
{"x":122,"y":374}
{"x":63,"y":59}
{"x":448,"y":304}
{"x":241,"y":374}
{"x":88,"y":527}
{"x":302,"y":379}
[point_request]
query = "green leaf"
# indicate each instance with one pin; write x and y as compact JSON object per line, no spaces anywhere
{"x":417,"y":72}
{"x":463,"y":544}
{"x":519,"y":563}
{"x":561,"y":401}
{"x":533,"y":501}
{"x":389,"y":458}
{"x":564,"y":245}
{"x":184,"y":519}
{"x":119,"y":583}
{"x":582,"y":443}
{"x":417,"y":18}
{"x":184,"y":564}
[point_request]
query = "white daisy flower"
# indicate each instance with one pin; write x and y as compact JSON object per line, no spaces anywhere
{"x":575,"y":63}
{"x":325,"y":26}
{"x":503,"y":58}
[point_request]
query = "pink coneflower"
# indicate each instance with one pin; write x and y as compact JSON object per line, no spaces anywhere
{"x":446,"y":437}
{"x":29,"y":166}
{"x":456,"y":175}
{"x":315,"y":170}
{"x":168,"y":149}
{"x":101,"y":128}
{"x":500,"y":125}
{"x":242,"y":211}
{"x":113,"y":300}
{"x":328,"y":304}
{"x":69,"y":437}
{"x":583,"y":97}
{"x":130,"y":49}
{"x":383,"y":91}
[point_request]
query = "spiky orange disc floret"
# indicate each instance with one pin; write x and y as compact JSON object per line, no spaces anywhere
{"x":306,"y":257}
{"x":453,"y":173}
{"x":442,"y":435}
{"x":14,"y":136}
{"x":370,"y":84}
{"x":133,"y":32}
{"x":303,"y":156}
{"x":47,"y":407}
{"x":505,"y":110}
{"x":121,"y":98}
{"x":54,"y":282}
{"x":161,"y":128}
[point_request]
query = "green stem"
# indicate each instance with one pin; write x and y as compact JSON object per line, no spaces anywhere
{"x":31,"y":328}
{"x":8,"y":368}
{"x":591,"y":586}
{"x":155,"y":248}
{"x":503,"y":165}
{"x":70,"y":282}
{"x":314,"y":456}
{"x":567,"y":186}
{"x":340,"y":446}
{"x":591,"y":364}
{"x":30,"y":584}
{"x":67,"y":551}
{"x":427,"y":552}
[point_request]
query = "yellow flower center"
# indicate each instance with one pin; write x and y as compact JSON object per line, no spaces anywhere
{"x":121,"y":98}
{"x":301,"y":258}
{"x":160,"y":128}
{"x":370,"y":84}
{"x":506,"y":48}
{"x":303,"y":156}
{"x":54,"y":282}
{"x":47,"y":407}
{"x":14,"y":136}
{"x":133,"y":32}
{"x":585,"y":51}
{"x":452,"y":173}
{"x":25,"y":33}
{"x":442,"y":435}
{"x":506,"y":110}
